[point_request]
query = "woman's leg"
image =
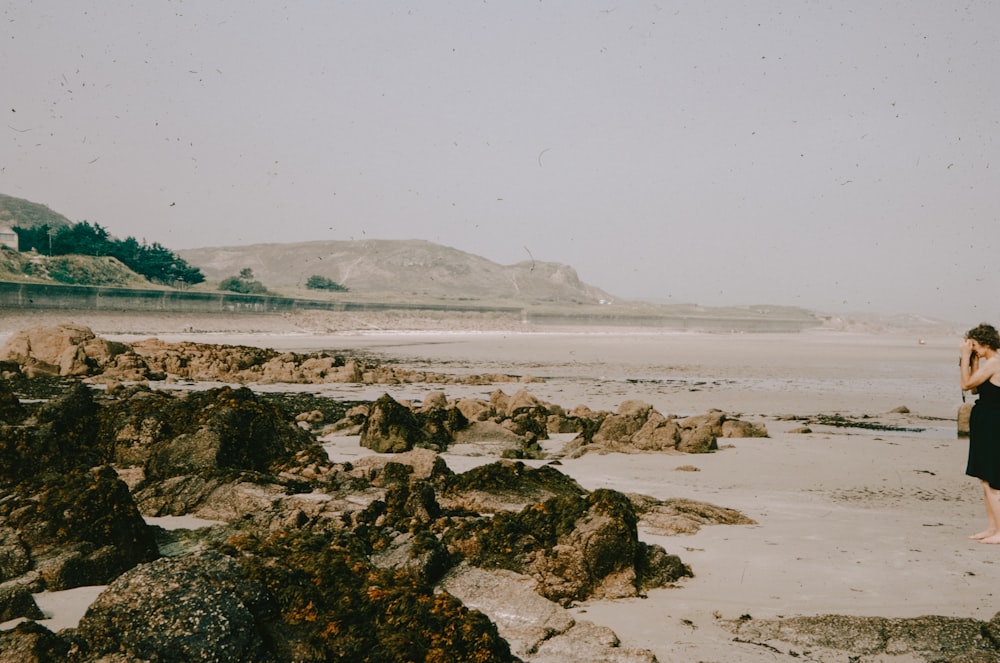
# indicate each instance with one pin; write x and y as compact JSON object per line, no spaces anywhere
{"x":992,"y":514}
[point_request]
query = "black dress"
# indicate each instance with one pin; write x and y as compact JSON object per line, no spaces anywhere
{"x":984,"y":436}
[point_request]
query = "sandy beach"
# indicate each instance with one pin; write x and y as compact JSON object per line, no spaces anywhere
{"x":849,"y":521}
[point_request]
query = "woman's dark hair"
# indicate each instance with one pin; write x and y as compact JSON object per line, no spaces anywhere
{"x":986,"y":335}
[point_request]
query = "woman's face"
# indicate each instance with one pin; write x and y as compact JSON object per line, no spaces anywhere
{"x":978,"y":347}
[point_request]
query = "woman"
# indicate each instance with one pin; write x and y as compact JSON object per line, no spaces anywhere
{"x":980,"y":372}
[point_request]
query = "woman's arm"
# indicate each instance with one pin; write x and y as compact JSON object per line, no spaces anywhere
{"x":975,"y":372}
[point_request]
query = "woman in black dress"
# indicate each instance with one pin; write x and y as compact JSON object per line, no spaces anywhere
{"x":980,"y":372}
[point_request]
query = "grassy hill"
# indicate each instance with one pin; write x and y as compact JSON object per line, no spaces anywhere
{"x":396,"y":268}
{"x":26,"y":214}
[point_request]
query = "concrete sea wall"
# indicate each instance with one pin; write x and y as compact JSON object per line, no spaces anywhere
{"x":99,"y":298}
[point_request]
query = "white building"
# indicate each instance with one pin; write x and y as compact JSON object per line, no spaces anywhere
{"x":8,"y":237}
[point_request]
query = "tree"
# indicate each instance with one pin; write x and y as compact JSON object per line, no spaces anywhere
{"x":153,"y":261}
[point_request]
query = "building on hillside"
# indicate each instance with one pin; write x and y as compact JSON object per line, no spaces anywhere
{"x":8,"y":237}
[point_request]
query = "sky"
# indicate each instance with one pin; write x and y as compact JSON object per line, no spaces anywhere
{"x":840,"y":156}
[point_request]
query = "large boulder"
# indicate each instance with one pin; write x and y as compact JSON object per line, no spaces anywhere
{"x":65,"y":349}
{"x":194,"y":608}
{"x":575,"y":547}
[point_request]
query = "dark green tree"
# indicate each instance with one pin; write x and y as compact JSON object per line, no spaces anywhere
{"x":153,"y":261}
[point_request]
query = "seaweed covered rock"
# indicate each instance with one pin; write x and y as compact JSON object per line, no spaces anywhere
{"x":505,"y":485}
{"x":79,"y":528}
{"x":16,"y":601}
{"x":391,"y":427}
{"x":61,"y":435}
{"x":576,"y":547}
{"x":11,"y":410}
{"x":335,"y":605}
{"x":211,"y":432}
{"x":195,"y":608}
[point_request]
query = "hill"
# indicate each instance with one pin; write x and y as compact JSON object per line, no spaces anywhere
{"x":26,"y":214}
{"x":67,"y":270}
{"x":396,"y":267}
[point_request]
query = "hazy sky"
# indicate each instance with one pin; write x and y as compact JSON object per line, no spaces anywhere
{"x":840,"y":156}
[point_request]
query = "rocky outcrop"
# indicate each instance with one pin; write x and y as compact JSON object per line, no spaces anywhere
{"x":61,"y":350}
{"x":511,"y":427}
{"x":310,"y":559}
{"x":66,"y":519}
{"x":637,"y":427}
{"x":575,"y":547}
{"x":675,"y":516}
{"x":931,"y":638}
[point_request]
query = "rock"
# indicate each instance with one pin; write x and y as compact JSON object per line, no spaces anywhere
{"x":523,"y":618}
{"x":195,"y":608}
{"x":536,"y":628}
{"x":391,"y":427}
{"x":474,"y":409}
{"x":11,"y":410}
{"x":575,"y":547}
{"x":952,"y":639}
{"x":657,"y":434}
{"x":587,"y":641}
{"x":504,"y":486}
{"x":738,"y":428}
{"x":209,"y":432}
{"x":617,"y":430}
{"x":698,"y":439}
{"x":335,"y":605}
{"x":15,"y":560}
{"x":65,"y":349}
{"x":80,"y":529}
{"x":440,"y":423}
{"x":61,"y":436}
{"x":404,"y":552}
{"x":16,"y":601}
{"x":29,"y":642}
{"x":486,"y":438}
{"x":425,"y":464}
{"x":675,"y":516}
{"x":434,"y":400}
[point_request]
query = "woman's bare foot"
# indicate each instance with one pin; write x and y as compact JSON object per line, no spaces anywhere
{"x":985,"y":534}
{"x":991,"y":539}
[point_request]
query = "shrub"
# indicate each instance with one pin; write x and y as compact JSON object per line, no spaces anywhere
{"x":245,"y":284}
{"x":317,"y":282}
